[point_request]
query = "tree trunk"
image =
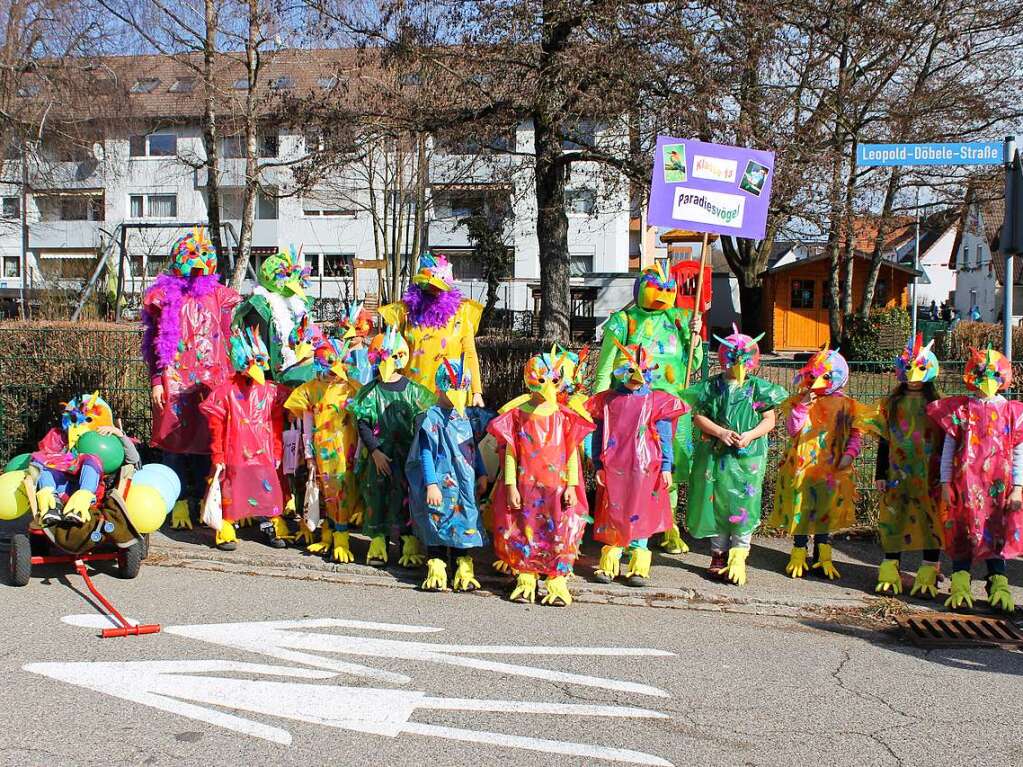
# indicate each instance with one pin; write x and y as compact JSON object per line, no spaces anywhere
{"x":210,"y":138}
{"x":552,"y":233}
{"x":877,"y":254}
{"x":251,"y":150}
{"x":751,"y":301}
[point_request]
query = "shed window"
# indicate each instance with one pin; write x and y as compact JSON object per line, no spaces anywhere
{"x":802,"y":295}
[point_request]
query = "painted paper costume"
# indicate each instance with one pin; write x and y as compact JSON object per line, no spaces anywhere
{"x":725,"y":483}
{"x":437,"y":322}
{"x":186,"y":317}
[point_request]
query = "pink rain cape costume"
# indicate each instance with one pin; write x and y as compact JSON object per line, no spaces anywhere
{"x":186,"y":316}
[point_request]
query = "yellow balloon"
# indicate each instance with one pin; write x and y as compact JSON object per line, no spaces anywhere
{"x":146,"y":508}
{"x":13,"y":500}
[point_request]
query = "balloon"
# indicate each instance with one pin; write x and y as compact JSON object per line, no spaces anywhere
{"x":161,"y":468}
{"x":13,"y":500}
{"x":146,"y":508}
{"x":19,"y":462}
{"x":169,"y":488}
{"x":107,"y":448}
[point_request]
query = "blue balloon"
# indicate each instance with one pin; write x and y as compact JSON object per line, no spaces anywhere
{"x":168,"y":486}
{"x":161,"y":468}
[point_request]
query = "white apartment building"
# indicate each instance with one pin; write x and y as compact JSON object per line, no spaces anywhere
{"x":81,"y":204}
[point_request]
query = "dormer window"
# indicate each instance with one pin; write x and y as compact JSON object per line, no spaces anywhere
{"x":145,"y":85}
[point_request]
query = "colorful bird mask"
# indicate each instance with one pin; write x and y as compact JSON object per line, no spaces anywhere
{"x":303,"y":338}
{"x":193,"y":255}
{"x":654,"y":290}
{"x":739,"y":353}
{"x":988,"y":372}
{"x":434,"y":274}
{"x":356,"y":322}
{"x":546,"y":374}
{"x":388,"y":351}
{"x":83,"y":414}
{"x":636,"y":367}
{"x":249,"y":354}
{"x":330,"y":357}
{"x":917,"y":363}
{"x":824,"y":373}
{"x":284,"y":274}
{"x":454,"y":380}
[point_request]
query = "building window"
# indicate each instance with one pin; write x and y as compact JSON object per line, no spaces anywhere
{"x":330,"y":265}
{"x":268,"y":144}
{"x":579,"y":135}
{"x":11,"y":207}
{"x":979,"y":256}
{"x":81,"y":208}
{"x":153,"y":206}
{"x":580,"y":266}
{"x":12,"y":266}
{"x":183,"y":85}
{"x":882,"y":292}
{"x":28,"y":91}
{"x":313,"y":208}
{"x":154,"y":145}
{"x":233,"y":147}
{"x":802,"y":295}
{"x":326,"y":83}
{"x":580,"y":202}
{"x":145,"y":85}
{"x":466,"y":266}
{"x":266,"y":207}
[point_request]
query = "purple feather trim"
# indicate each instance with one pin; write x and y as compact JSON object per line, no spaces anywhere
{"x":160,"y":339}
{"x":427,"y":310}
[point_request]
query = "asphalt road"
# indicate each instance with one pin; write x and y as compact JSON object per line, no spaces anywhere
{"x":737,"y":689}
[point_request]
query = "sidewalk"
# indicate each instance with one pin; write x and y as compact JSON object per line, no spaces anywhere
{"x":676,"y":581}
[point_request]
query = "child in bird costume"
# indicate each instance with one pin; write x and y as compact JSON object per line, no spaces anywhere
{"x":540,"y":509}
{"x":438,"y":323}
{"x":982,"y":478}
{"x":186,"y":320}
{"x":331,"y":441}
{"x":907,"y":475}
{"x":734,"y":413}
{"x":816,"y":491}
{"x":277,"y":305}
{"x":633,"y":453}
{"x":246,"y":417}
{"x":356,"y":326}
{"x":666,"y":332}
{"x":446,"y":476}
{"x":386,"y":410}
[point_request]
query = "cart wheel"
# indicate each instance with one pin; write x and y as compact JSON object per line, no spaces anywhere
{"x":129,"y":561}
{"x":40,"y":545}
{"x":21,"y":559}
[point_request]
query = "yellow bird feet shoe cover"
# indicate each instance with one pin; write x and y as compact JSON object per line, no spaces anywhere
{"x":377,"y":554}
{"x":321,"y":546}
{"x":412,"y":553}
{"x":889,"y":580}
{"x":959,"y":591}
{"x":638,"y":572}
{"x":925,"y":584}
{"x":342,"y":549}
{"x":797,"y":566}
{"x":436,"y":576}
{"x":610,"y":564}
{"x":525,"y":588}
{"x":225,"y":539}
{"x":998,"y":595}
{"x":46,"y":508}
{"x":735,"y":570}
{"x":557,"y":592}
{"x":502,"y":567}
{"x":180,"y":518}
{"x":465,"y":577}
{"x":672,"y":542}
{"x":824,"y":563}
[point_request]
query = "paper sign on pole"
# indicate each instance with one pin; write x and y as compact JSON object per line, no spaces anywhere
{"x":712,"y":188}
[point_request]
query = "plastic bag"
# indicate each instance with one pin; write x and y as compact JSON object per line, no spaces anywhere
{"x":311,"y":517}
{"x":291,"y":439}
{"x":212,"y":509}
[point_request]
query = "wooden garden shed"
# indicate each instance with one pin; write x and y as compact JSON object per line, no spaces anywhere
{"x":796,"y":299}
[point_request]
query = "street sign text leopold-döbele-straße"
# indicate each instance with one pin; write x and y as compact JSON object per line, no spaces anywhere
{"x":973,"y":153}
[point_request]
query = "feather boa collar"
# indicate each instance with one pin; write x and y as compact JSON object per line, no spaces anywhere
{"x":160,"y":339}
{"x":425,"y":310}
{"x":285,"y":313}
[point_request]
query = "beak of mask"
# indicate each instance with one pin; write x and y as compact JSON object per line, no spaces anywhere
{"x":255,"y":372}
{"x":988,"y":387}
{"x":738,"y":371}
{"x":458,"y":398}
{"x":295,"y":286}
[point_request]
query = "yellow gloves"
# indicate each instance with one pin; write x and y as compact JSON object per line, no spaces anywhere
{"x":735,"y":570}
{"x":46,"y":500}
{"x":180,"y":518}
{"x":465,"y":578}
{"x":926,"y":582}
{"x":377,"y":554}
{"x":525,"y":588}
{"x":280,"y":528}
{"x":639,"y":564}
{"x":342,"y":552}
{"x":436,"y":576}
{"x":557,"y":591}
{"x":672,"y":542}
{"x":610,"y":564}
{"x":959,"y":592}
{"x":797,"y":566}
{"x":502,"y":567}
{"x":998,"y":594}
{"x":322,"y":546}
{"x":824,"y":563}
{"x":888,"y":577}
{"x":78,"y":505}
{"x":412,"y":554}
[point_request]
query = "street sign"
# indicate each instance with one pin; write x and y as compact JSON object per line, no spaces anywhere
{"x":712,"y":188}
{"x":973,"y":153}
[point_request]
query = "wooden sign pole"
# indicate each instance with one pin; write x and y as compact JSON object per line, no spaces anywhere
{"x":694,"y":338}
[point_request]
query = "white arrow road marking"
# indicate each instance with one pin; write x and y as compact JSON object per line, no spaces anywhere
{"x":170,"y":685}
{"x":291,"y":641}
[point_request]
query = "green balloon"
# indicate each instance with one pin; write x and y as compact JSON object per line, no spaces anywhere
{"x":107,"y":448}
{"x":18,"y":463}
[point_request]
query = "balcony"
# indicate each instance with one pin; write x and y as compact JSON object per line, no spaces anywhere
{"x":468,"y":170}
{"x":84,"y":174}
{"x":51,"y":235}
{"x":232,"y":175}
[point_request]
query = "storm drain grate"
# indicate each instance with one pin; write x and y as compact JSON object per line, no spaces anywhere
{"x":949,"y":630}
